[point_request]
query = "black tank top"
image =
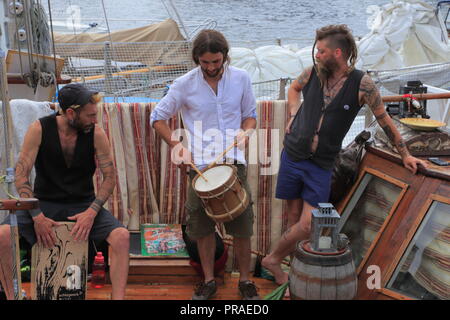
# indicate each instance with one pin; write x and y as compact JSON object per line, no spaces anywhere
{"x":338,"y":117}
{"x":54,"y":180}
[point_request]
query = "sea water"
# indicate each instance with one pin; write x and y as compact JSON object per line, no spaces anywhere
{"x":239,"y":20}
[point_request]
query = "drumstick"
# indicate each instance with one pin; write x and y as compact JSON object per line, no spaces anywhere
{"x":198,"y":171}
{"x":228,"y":149}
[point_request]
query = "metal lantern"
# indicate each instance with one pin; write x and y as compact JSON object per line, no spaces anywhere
{"x":324,"y":217}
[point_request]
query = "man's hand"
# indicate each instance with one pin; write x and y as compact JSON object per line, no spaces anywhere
{"x":242,"y":139}
{"x":411,"y":163}
{"x":83,"y":225}
{"x":43,"y":227}
{"x":288,"y":126}
{"x":181,"y":156}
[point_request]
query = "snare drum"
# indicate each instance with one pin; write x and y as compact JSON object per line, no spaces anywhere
{"x":224,"y":197}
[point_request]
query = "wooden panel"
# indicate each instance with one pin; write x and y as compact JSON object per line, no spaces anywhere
{"x":60,"y":273}
{"x":385,"y":294}
{"x":396,"y":182}
{"x":397,"y":234}
{"x":410,"y":234}
{"x":440,"y":172}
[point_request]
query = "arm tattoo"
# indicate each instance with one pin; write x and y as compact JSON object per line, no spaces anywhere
{"x":106,"y":166}
{"x":399,"y":144}
{"x":381,"y":116}
{"x":23,"y":186}
{"x":285,"y":234}
{"x":304,"y":77}
{"x":23,"y":168}
{"x":371,"y":94}
{"x":97,"y":204}
{"x":389,"y":133}
{"x":104,"y":161}
{"x":25,"y":190}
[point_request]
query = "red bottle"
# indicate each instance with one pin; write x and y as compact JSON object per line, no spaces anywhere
{"x":98,"y":271}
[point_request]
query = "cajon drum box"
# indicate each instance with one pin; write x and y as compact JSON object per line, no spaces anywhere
{"x":60,"y":273}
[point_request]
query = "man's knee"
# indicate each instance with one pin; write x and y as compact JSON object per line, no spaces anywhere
{"x":119,"y":239}
{"x":305,"y":227}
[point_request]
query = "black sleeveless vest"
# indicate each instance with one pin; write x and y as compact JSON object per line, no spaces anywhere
{"x":54,"y":180}
{"x":338,"y":117}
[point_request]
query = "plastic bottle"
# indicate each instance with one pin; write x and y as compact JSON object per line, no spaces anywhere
{"x":98,"y":271}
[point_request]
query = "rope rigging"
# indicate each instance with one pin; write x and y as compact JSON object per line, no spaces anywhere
{"x":32,"y":34}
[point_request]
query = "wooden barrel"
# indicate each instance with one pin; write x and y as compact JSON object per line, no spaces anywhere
{"x":322,"y":276}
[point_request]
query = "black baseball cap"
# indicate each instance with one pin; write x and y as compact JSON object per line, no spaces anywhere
{"x":74,"y":94}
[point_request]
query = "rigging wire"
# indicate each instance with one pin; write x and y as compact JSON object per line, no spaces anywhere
{"x":29,"y":40}
{"x":53,"y":44}
{"x":83,"y":76}
{"x":18,"y":43}
{"x":111,"y":41}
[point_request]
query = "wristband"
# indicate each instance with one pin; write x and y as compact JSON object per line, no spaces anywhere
{"x":35,"y":212}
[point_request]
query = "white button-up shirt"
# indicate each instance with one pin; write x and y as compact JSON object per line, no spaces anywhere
{"x":212,"y":121}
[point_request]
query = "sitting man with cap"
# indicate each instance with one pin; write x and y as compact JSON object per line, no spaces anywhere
{"x":65,"y":149}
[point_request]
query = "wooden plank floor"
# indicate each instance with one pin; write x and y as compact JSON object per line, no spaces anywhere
{"x":172,"y":291}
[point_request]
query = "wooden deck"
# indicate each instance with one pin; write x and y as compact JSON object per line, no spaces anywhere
{"x":170,"y":279}
{"x":172,"y":291}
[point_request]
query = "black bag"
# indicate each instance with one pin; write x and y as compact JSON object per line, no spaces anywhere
{"x":346,"y":167}
{"x":191,"y":246}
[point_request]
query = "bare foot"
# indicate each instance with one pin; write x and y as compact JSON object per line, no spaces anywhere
{"x":287,"y":294}
{"x":275,"y":268}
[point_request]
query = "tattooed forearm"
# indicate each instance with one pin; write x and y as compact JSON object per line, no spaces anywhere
{"x":23,"y":168}
{"x":381,"y":117}
{"x":23,"y":186}
{"x":402,"y":149}
{"x":389,"y":133}
{"x":105,"y":190}
{"x":103,"y":165}
{"x":25,"y":190}
{"x":398,"y":142}
{"x":97,"y":204}
{"x":106,"y":166}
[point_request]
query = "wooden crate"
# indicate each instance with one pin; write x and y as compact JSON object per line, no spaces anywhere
{"x":60,"y":273}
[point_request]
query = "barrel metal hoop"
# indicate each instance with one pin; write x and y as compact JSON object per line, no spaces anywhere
{"x":319,"y":260}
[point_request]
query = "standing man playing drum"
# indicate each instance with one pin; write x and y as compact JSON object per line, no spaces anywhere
{"x":333,"y":91}
{"x":64,"y":149}
{"x":216,"y":103}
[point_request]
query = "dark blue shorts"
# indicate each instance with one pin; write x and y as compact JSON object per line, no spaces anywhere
{"x":302,"y":180}
{"x":104,"y":221}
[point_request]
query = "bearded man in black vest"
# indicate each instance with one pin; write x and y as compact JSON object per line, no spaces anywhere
{"x":64,"y":149}
{"x":333,"y":93}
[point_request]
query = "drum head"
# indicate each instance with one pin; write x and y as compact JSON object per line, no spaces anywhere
{"x":216,"y":177}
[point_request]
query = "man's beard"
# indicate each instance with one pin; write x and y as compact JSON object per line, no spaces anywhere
{"x":214,"y":74}
{"x":327,"y":68}
{"x":75,"y":124}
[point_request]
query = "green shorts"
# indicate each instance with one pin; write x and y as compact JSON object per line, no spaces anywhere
{"x":199,"y":225}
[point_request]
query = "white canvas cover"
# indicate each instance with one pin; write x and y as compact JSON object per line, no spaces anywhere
{"x":271,"y":62}
{"x":403,"y":33}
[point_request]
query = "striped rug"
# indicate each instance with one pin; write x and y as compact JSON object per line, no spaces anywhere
{"x":150,"y":189}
